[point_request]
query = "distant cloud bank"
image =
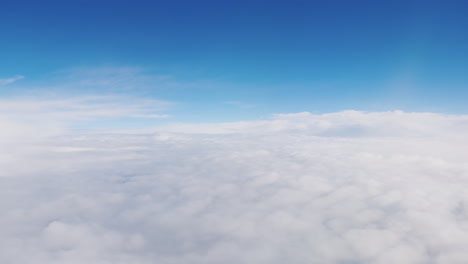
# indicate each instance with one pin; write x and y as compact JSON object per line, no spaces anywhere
{"x":346,"y":187}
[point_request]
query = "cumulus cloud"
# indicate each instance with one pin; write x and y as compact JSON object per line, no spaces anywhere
{"x":347,"y":187}
{"x":11,"y":80}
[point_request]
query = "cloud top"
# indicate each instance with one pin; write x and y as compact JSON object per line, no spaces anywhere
{"x":342,"y":124}
{"x":347,"y":187}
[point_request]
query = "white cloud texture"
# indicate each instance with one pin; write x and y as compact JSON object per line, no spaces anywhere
{"x":347,"y":187}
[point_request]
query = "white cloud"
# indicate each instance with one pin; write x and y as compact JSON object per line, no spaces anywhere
{"x":11,"y":80}
{"x":347,"y":187}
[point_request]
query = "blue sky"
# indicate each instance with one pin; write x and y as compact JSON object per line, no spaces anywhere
{"x":238,"y":60}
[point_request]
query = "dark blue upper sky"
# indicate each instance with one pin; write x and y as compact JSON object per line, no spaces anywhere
{"x":280,"y":56}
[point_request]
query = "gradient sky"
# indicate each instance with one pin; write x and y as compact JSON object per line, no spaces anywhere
{"x":226,"y":60}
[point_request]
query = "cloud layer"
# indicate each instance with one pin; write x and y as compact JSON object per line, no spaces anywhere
{"x":347,"y":187}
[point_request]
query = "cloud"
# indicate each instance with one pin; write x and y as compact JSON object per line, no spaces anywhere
{"x":341,"y":124}
{"x":110,"y":78}
{"x":11,"y":80}
{"x":118,"y":79}
{"x":240,"y":104}
{"x":346,"y":187}
{"x":72,"y":109}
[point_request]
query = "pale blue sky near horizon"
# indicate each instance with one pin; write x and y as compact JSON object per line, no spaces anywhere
{"x":240,"y":60}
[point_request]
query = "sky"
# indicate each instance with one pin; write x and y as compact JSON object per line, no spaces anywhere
{"x":237,"y":132}
{"x":227,"y":60}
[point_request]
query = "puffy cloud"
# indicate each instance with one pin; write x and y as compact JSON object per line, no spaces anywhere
{"x":347,"y":187}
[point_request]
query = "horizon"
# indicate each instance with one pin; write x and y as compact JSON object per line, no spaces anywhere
{"x":219,"y":61}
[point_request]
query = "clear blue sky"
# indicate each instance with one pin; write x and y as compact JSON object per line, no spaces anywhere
{"x":241,"y":59}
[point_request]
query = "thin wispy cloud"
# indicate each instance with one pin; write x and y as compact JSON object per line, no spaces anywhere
{"x":71,"y":109}
{"x":84,"y":95}
{"x":11,"y":80}
{"x":240,"y":104}
{"x":121,"y":79}
{"x":111,"y":78}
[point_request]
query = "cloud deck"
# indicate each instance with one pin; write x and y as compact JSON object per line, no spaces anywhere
{"x":348,"y":187}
